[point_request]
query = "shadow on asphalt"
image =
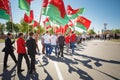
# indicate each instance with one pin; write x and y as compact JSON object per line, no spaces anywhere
{"x":45,"y":60}
{"x":97,"y":63}
{"x":9,"y":74}
{"x":71,"y":68}
{"x":28,"y":76}
{"x":98,"y":60}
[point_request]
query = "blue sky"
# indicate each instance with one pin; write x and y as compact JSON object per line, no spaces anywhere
{"x":98,"y":11}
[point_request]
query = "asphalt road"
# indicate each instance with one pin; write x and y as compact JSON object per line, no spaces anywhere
{"x":93,"y":60}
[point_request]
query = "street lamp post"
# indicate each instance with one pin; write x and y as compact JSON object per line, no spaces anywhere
{"x":105,"y":26}
{"x":104,"y":32}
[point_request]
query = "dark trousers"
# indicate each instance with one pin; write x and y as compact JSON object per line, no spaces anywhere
{"x":43,"y":48}
{"x":61,"y":48}
{"x":6,"y":58}
{"x":32,"y":68}
{"x":20,"y":56}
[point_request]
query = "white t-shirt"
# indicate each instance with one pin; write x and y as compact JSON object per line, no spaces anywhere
{"x":46,"y":38}
{"x":83,"y":36}
{"x":53,"y":39}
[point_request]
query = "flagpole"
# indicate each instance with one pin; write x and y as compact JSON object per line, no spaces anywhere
{"x":40,"y":13}
{"x":11,"y":19}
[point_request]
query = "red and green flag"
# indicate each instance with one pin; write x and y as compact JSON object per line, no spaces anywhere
{"x":59,"y":29}
{"x":4,"y":9}
{"x":56,"y":12}
{"x":29,"y":17}
{"x":35,"y":23}
{"x":71,"y":26}
{"x":82,"y":22}
{"x":46,"y":23}
{"x":44,"y":6}
{"x":73,"y":13}
{"x":25,"y":4}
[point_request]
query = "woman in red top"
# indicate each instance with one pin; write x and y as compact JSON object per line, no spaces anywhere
{"x":67,"y":41}
{"x":21,"y":50}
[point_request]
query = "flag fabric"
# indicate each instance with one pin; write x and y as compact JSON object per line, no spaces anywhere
{"x":25,"y":4}
{"x":35,"y":23}
{"x":4,"y":9}
{"x":73,"y":13}
{"x":71,"y":26}
{"x":44,"y":6}
{"x":56,"y":12}
{"x":29,"y":17}
{"x":4,"y":15}
{"x":30,"y":14}
{"x":4,"y":5}
{"x":46,"y":23}
{"x":83,"y":22}
{"x":59,"y":30}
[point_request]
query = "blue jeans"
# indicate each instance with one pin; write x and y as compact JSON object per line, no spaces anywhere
{"x":55,"y":47}
{"x":72,"y":46}
{"x":48,"y":48}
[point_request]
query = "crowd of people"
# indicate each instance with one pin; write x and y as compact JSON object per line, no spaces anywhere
{"x":28,"y":48}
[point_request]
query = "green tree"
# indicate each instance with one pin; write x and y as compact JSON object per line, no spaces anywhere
{"x":16,"y":28}
{"x":23,"y":27}
{"x":117,"y":31}
{"x":51,"y":31}
{"x":2,"y":28}
{"x":78,"y":33}
{"x":9,"y":26}
{"x":42,"y":29}
{"x":91,"y":32}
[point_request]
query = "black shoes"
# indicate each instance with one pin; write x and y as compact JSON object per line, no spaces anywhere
{"x":6,"y":67}
{"x":32,"y":72}
{"x":21,"y":70}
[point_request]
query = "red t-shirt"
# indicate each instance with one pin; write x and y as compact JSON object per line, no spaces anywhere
{"x":73,"y":38}
{"x":67,"y":39}
{"x":21,"y":46}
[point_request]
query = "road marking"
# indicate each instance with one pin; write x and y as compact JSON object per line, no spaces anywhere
{"x":58,"y":71}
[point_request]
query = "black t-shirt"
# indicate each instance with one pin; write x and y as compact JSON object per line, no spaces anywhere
{"x":61,"y":40}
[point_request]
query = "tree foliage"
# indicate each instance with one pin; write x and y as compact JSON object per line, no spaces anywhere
{"x":2,"y":28}
{"x":117,"y":31}
{"x":91,"y":32}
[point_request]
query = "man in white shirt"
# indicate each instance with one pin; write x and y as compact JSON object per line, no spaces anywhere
{"x":46,"y":38}
{"x":53,"y":40}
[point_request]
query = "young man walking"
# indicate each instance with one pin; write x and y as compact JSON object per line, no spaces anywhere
{"x":61,"y":40}
{"x":9,"y":50}
{"x":32,"y":46}
{"x":21,"y":50}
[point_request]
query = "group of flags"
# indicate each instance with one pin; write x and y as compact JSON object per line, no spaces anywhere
{"x":29,"y":15}
{"x":4,"y":9}
{"x":55,"y":13}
